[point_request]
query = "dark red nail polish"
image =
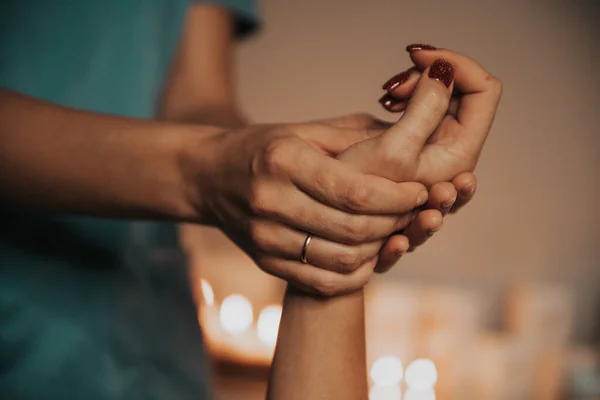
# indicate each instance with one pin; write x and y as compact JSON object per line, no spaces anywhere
{"x":442,"y":71}
{"x":388,"y":101}
{"x":419,"y":46}
{"x":396,"y":81}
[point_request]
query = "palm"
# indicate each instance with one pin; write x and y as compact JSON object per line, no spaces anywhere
{"x":446,"y":155}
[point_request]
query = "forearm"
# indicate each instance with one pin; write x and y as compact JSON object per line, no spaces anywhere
{"x":320,"y":351}
{"x":62,"y":160}
{"x":224,"y":115}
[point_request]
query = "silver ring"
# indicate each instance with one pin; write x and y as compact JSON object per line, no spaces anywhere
{"x":305,"y":248}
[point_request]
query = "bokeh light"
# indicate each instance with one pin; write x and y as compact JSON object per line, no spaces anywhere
{"x":236,"y":314}
{"x":207,"y":292}
{"x":268,"y":324}
{"x":416,"y":394}
{"x":385,"y":393}
{"x":387,"y":371}
{"x":421,"y":374}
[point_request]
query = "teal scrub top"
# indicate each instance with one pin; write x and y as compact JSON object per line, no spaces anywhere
{"x":96,"y":308}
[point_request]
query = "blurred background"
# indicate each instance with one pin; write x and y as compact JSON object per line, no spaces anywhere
{"x":505,"y":300}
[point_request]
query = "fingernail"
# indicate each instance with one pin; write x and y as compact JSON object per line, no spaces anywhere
{"x":419,"y":46}
{"x":447,"y":205}
{"x":388,"y":102}
{"x":411,"y":249}
{"x":468,"y":191}
{"x":398,"y":253}
{"x":431,"y":232}
{"x":422,"y":197}
{"x":442,"y":71}
{"x":396,"y":81}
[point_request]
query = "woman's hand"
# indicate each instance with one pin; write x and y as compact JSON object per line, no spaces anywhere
{"x":268,"y":186}
{"x":449,"y":150}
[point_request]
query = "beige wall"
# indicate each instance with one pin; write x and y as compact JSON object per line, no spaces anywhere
{"x":537,"y":213}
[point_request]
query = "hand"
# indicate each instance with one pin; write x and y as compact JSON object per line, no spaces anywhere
{"x":455,"y":142}
{"x":445,"y":197}
{"x":267,"y":186}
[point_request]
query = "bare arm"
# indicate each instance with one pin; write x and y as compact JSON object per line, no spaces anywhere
{"x":58,"y":159}
{"x":321,"y":348}
{"x":116,"y":167}
{"x":320,"y":352}
{"x":200,"y":87}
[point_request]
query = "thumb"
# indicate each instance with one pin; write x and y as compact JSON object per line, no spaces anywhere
{"x":352,"y":121}
{"x":425,"y":111}
{"x":334,"y":140}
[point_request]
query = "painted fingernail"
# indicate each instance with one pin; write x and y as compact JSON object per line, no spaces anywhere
{"x":422,"y":197}
{"x":420,"y":46}
{"x":447,"y":205}
{"x":396,"y":81}
{"x":389,"y":102}
{"x":442,"y":71}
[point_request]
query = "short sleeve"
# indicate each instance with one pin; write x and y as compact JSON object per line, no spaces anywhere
{"x":245,"y":12}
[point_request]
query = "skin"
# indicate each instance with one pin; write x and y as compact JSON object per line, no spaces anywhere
{"x":322,"y":340}
{"x":173,"y":170}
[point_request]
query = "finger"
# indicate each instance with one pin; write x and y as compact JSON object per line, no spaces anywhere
{"x":481,"y":91}
{"x":342,"y":186}
{"x":401,"y":86}
{"x":301,"y":212}
{"x":328,"y":138}
{"x":423,"y":227}
{"x":316,"y":280}
{"x":466,"y":186}
{"x":394,"y":105}
{"x":442,"y":197}
{"x":424,"y":112}
{"x":391,"y":252}
{"x":279,"y":240}
{"x":351,"y":121}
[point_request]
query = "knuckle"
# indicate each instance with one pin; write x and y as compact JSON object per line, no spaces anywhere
{"x":327,"y":287}
{"x":357,"y":228}
{"x":495,"y":85}
{"x":260,"y":237}
{"x":357,"y":197}
{"x":262,"y":201}
{"x":276,"y":154}
{"x":436,"y":101}
{"x":327,"y":181}
{"x":259,"y":200}
{"x":366,"y":279}
{"x":348,"y":261}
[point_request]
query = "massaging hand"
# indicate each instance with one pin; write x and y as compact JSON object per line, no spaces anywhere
{"x":269,"y":186}
{"x":436,"y":140}
{"x":446,"y":197}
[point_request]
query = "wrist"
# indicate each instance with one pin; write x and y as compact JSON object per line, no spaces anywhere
{"x":195,"y":150}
